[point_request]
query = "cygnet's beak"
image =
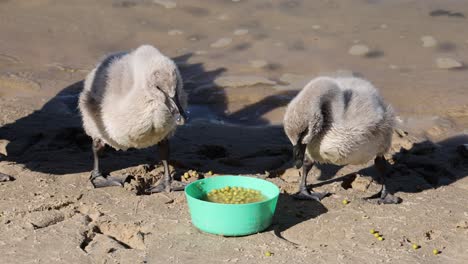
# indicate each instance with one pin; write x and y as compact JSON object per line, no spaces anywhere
{"x":181,"y":116}
{"x":298,"y":155}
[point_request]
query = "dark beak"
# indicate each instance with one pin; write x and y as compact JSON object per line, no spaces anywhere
{"x":298,"y":154}
{"x":182,"y":114}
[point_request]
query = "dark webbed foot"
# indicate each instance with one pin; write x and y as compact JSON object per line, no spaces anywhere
{"x":384,"y":198}
{"x":5,"y":178}
{"x":164,"y":186}
{"x":99,"y":181}
{"x":307,"y":195}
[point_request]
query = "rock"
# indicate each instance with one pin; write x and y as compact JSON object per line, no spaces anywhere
{"x":448,"y":63}
{"x":174,"y":32}
{"x":462,"y":224}
{"x":41,"y":219}
{"x":428,"y":41}
{"x":359,"y":50}
{"x":101,"y":245}
{"x":244,"y":80}
{"x":290,"y":175}
{"x":241,"y":31}
{"x":463,"y":150}
{"x":221,"y":43}
{"x":258,"y":63}
{"x":361,"y":183}
{"x":5,"y":178}
{"x":3,"y":146}
{"x":166,"y":3}
{"x":129,"y":234}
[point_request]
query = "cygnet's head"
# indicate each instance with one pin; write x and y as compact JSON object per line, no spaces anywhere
{"x":159,"y":74}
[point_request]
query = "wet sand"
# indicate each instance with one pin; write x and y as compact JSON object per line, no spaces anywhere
{"x":241,"y":62}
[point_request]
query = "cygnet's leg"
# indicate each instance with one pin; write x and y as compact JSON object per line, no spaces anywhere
{"x":96,"y":178}
{"x":5,"y":178}
{"x":383,"y":195}
{"x":167,"y":183}
{"x":304,"y":193}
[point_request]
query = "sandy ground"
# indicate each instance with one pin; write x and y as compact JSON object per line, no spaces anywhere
{"x":242,"y":61}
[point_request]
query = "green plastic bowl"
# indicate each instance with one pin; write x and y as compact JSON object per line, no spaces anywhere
{"x":231,"y":219}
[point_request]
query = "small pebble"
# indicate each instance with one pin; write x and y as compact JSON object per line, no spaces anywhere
{"x":258,"y":63}
{"x":241,"y":31}
{"x":175,"y":32}
{"x":428,"y":41}
{"x":448,"y":63}
{"x":221,"y":43}
{"x":359,"y":50}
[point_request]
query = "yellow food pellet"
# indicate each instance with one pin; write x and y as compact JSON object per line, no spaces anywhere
{"x":268,"y":254}
{"x":376,"y":234}
{"x":186,"y":175}
{"x":380,"y":238}
{"x":415,"y":246}
{"x":372,"y":231}
{"x":233,"y":195}
{"x":210,"y":173}
{"x":435,"y":252}
{"x":345,"y":201}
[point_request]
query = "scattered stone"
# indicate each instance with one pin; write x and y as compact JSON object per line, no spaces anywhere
{"x":316,"y":27}
{"x":3,"y":146}
{"x":166,"y":3}
{"x":359,"y":50}
{"x":41,"y":219}
{"x":462,"y":224}
{"x":244,"y":80}
{"x":221,"y":43}
{"x":5,"y":178}
{"x":129,"y":234}
{"x":448,"y":63}
{"x":201,"y":52}
{"x":174,"y":32}
{"x":428,"y":41}
{"x":101,"y":245}
{"x":383,"y":26}
{"x":393,"y":67}
{"x":361,"y":183}
{"x":241,"y":31}
{"x":258,"y":63}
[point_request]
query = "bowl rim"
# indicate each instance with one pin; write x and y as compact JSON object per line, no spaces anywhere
{"x":238,"y":205}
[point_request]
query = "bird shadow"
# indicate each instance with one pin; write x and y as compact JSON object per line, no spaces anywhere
{"x":52,"y":140}
{"x":294,"y":212}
